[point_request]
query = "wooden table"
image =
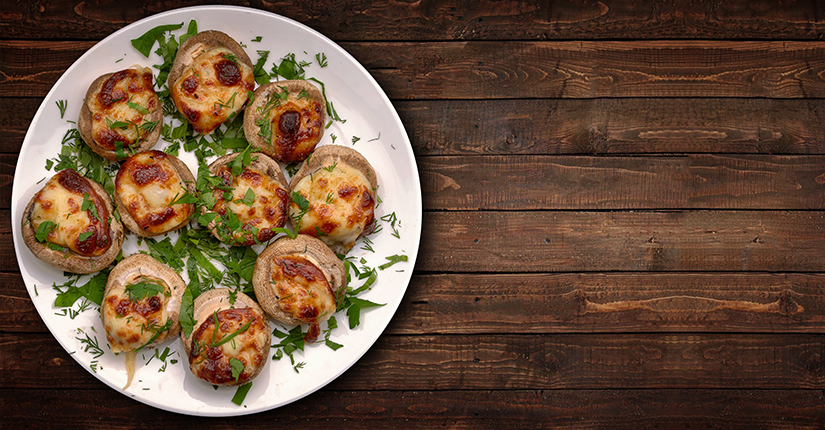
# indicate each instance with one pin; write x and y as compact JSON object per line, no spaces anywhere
{"x":623,"y":221}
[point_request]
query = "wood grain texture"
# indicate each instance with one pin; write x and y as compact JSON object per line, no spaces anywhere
{"x":482,"y":70}
{"x":622,"y":241}
{"x":490,"y":242}
{"x":614,"y":126}
{"x":570,"y":303}
{"x":510,"y":362}
{"x":516,"y":409}
{"x":612,"y":302}
{"x":456,"y":20}
{"x":564,"y":182}
{"x":579,"y":126}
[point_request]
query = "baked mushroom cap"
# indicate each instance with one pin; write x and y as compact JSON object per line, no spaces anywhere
{"x":63,"y":258}
{"x":266,"y":211}
{"x":287,"y":127}
{"x":200,"y":43}
{"x":152,"y":316}
{"x":244,"y":335}
{"x":210,"y":80}
{"x":104,"y":94}
{"x":298,"y":253}
{"x":339,"y":185}
{"x":153,"y":178}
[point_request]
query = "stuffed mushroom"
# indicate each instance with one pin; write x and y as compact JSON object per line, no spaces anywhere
{"x":251,"y":201}
{"x":333,"y":197}
{"x":299,"y":281}
{"x":141,"y":303}
{"x":210,"y":79}
{"x":229,"y":344}
{"x":69,"y":224}
{"x":146,"y":186}
{"x":121,"y":113}
{"x":286,"y":120}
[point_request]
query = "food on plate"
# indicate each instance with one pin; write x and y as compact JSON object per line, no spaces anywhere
{"x":229,"y":344}
{"x":335,"y":197}
{"x":121,"y":111}
{"x":146,"y":185}
{"x":69,"y":224}
{"x":299,"y":281}
{"x":210,"y":79}
{"x":255,"y":204}
{"x":141,"y":303}
{"x":286,"y":120}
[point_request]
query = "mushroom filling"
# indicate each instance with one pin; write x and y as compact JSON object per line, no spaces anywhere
{"x":302,"y":289}
{"x":134,"y":314}
{"x":340,"y":205}
{"x":228,"y":345}
{"x":68,"y":213}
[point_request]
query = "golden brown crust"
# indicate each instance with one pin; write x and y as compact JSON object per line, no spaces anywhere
{"x":302,"y":245}
{"x":137,"y":265}
{"x":84,"y":124}
{"x":69,"y":261}
{"x":261,"y":163}
{"x":188,"y":182}
{"x":199,"y":43}
{"x":254,"y":113}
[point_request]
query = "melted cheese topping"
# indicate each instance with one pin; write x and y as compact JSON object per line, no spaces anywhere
{"x":211,"y":362}
{"x":294,"y":126}
{"x":341,"y":205}
{"x":215,"y":86}
{"x":266,"y":212}
{"x":61,"y":202}
{"x":132,"y":324}
{"x":302,"y":289}
{"x":146,"y":183}
{"x":113,"y":119}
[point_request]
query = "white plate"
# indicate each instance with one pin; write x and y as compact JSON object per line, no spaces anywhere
{"x":368,"y":113}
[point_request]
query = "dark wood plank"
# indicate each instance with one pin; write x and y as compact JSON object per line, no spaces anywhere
{"x":614,"y":126}
{"x":609,"y":302}
{"x":579,"y":126}
{"x":475,"y":70}
{"x":451,"y":19}
{"x":573,"y":409}
{"x":570,"y":303}
{"x":512,"y":362}
{"x":489,"y":242}
{"x":622,"y":241}
{"x":564,"y":182}
{"x":478,"y":70}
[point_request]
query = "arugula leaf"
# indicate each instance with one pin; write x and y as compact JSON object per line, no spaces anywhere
{"x":144,"y":43}
{"x":354,"y":311}
{"x":301,"y":201}
{"x":92,"y":290}
{"x":190,"y":31}
{"x":141,"y":290}
{"x":185,"y":199}
{"x":187,"y":310}
{"x":261,"y":76}
{"x":393,"y":259}
{"x":249,"y":198}
{"x":240,"y":395}
{"x":237,"y":367}
{"x":137,"y":107}
{"x":43,"y":230}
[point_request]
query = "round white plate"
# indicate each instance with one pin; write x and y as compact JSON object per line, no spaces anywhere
{"x":382,"y":140}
